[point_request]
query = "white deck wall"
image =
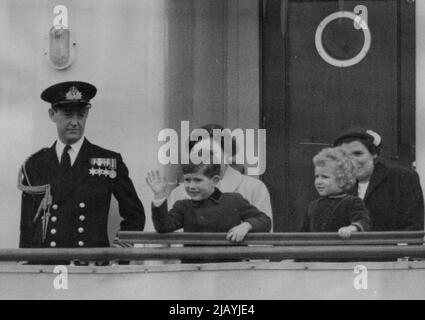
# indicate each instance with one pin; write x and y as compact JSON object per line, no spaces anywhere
{"x":225,"y":281}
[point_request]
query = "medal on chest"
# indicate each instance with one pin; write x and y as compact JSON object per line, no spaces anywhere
{"x":103,"y":167}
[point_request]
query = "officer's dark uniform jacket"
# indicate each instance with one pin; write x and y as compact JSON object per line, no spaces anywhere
{"x":81,"y":201}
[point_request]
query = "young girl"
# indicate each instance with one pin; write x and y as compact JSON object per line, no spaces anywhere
{"x":335,"y":210}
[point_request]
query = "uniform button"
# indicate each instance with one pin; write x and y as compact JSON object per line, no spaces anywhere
{"x":53,"y":231}
{"x":53,"y":244}
{"x":81,"y":243}
{"x":53,"y":219}
{"x":80,"y":229}
{"x":55,"y":207}
{"x":82,"y":218}
{"x":82,"y":205}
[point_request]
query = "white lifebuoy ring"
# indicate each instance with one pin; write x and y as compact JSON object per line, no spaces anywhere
{"x":349,"y":62}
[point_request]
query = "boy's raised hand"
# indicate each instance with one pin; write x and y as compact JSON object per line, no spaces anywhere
{"x":238,"y":233}
{"x":157,"y":183}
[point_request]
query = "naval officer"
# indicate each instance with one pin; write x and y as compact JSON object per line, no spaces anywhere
{"x":67,"y":188}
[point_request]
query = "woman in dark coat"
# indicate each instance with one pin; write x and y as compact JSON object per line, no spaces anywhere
{"x":392,"y":195}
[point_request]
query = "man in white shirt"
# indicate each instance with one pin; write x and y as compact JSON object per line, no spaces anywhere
{"x":252,"y":189}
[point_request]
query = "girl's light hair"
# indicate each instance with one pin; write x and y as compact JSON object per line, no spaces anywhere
{"x":341,"y":163}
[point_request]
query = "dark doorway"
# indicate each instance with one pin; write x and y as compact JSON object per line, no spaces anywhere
{"x":307,"y":101}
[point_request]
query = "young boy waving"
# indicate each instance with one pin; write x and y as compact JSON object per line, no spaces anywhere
{"x":208,"y":209}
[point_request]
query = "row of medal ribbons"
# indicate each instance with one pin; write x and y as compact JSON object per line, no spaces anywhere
{"x":109,"y":167}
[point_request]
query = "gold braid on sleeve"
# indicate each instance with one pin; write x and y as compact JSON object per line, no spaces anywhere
{"x":45,"y":203}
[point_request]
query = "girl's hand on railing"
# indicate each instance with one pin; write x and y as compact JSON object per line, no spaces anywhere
{"x":157,"y":183}
{"x":238,"y":233}
{"x":345,"y":232}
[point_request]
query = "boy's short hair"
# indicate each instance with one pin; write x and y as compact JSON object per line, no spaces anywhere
{"x":341,"y":162}
{"x":208,"y":166}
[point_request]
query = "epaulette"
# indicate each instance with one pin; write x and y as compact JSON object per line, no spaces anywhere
{"x":38,"y":152}
{"x":23,"y":173}
{"x":33,"y":155}
{"x":42,"y":150}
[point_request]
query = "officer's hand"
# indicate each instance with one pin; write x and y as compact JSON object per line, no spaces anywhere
{"x":157,"y":183}
{"x":238,"y":233}
{"x":345,"y":232}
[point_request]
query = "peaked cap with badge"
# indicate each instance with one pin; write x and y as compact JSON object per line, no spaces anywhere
{"x":68,"y":206}
{"x":70,"y":93}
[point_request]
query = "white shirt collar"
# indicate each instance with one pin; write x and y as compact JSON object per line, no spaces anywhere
{"x":73,"y":152}
{"x":362,"y":187}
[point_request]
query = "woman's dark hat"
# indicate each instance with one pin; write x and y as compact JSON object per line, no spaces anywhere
{"x":70,"y":93}
{"x":359,"y":133}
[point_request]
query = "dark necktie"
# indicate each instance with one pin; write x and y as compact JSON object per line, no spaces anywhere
{"x":66,"y":159}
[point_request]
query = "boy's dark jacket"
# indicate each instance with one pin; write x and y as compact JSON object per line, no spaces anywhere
{"x":219,"y":213}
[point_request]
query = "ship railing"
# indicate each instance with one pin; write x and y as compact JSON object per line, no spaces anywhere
{"x":134,"y":246}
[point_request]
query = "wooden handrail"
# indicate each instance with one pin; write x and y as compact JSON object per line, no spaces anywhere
{"x":376,"y":245}
{"x":201,"y":253}
{"x":286,"y":239}
{"x":224,"y":242}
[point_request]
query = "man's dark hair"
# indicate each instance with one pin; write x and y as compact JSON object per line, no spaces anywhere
{"x":210,"y":129}
{"x":207,"y":167}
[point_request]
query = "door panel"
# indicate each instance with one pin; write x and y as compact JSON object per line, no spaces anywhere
{"x":318,"y":100}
